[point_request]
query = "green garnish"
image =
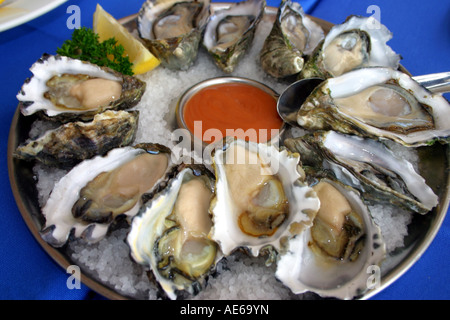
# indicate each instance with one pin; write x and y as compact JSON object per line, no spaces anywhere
{"x":86,"y":46}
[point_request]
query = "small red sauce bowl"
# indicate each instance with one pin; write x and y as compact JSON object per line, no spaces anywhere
{"x":230,"y":106}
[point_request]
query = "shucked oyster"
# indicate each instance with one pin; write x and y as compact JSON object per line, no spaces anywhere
{"x":337,"y":255}
{"x":378,"y":103}
{"x":368,"y":166}
{"x":73,"y":142}
{"x":170,"y":233}
{"x":65,"y":89}
{"x":293,"y":36}
{"x":358,"y":42}
{"x":172,"y":29}
{"x":230,"y":32}
{"x":260,"y":200}
{"x":98,"y":191}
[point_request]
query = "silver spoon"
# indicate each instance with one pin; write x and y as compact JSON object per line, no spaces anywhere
{"x":295,"y":94}
{"x":435,"y":82}
{"x":293,"y":97}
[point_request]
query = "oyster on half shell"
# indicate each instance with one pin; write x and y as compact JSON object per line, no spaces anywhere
{"x":260,"y":200}
{"x":99,"y":191}
{"x":367,"y":165}
{"x":170,"y":233}
{"x":230,"y":32}
{"x":334,"y":257}
{"x":356,"y":43}
{"x":66,"y":89}
{"x":172,"y":29}
{"x":378,"y":103}
{"x":293,"y":36}
{"x":73,"y":142}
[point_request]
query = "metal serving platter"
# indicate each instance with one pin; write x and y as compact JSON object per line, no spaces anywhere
{"x":434,"y":164}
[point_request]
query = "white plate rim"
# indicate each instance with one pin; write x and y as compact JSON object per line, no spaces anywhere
{"x":29,"y":11}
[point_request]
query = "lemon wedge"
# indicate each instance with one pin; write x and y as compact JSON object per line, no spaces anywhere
{"x":107,"y":27}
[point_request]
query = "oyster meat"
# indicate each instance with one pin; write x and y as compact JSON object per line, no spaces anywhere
{"x":66,"y":89}
{"x":101,"y":190}
{"x":260,"y":200}
{"x":170,"y":234}
{"x":74,"y":142}
{"x":378,"y":103}
{"x":334,"y":257}
{"x":293,"y":36}
{"x":367,"y":165}
{"x":172,"y":30}
{"x":356,"y":43}
{"x":230,"y":32}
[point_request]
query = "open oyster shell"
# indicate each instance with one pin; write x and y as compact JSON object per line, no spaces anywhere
{"x":293,"y":36}
{"x":343,"y":223}
{"x":73,"y":142}
{"x":356,"y":43}
{"x":380,"y":103}
{"x":66,"y":89}
{"x":172,"y":29}
{"x":260,"y":200}
{"x":230,"y":32}
{"x":100,"y":191}
{"x":367,"y":165}
{"x":170,"y":233}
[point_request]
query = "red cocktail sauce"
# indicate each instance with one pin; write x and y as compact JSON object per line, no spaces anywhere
{"x":232,"y":109}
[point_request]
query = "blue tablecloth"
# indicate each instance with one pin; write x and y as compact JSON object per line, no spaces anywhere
{"x":421,"y":34}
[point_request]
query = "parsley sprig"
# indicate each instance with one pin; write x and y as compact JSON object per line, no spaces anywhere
{"x":86,"y":46}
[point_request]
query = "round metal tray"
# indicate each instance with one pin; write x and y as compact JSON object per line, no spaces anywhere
{"x":434,"y":164}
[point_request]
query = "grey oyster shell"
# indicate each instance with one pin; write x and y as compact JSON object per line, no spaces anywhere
{"x":293,"y":36}
{"x":83,"y":204}
{"x":230,"y":32}
{"x":74,"y":142}
{"x":380,"y":103}
{"x":356,"y":43}
{"x":172,"y":223}
{"x":172,"y":30}
{"x":366,"y":165}
{"x":32,"y":96}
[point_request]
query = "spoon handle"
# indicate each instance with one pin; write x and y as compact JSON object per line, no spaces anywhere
{"x":435,"y":82}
